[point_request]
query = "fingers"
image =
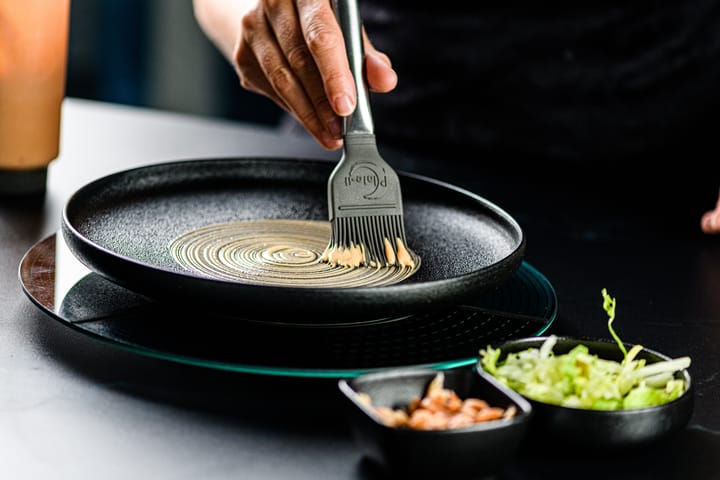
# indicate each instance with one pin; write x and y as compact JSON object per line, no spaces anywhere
{"x":252,"y":78}
{"x":381,"y":77}
{"x":256,"y":42}
{"x":324,"y":39}
{"x":710,"y":221}
{"x":278,"y":66}
{"x":292,"y":38}
{"x":293,"y":52}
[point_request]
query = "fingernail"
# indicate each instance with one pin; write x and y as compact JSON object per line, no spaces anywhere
{"x":343,"y":105}
{"x":335,"y":127}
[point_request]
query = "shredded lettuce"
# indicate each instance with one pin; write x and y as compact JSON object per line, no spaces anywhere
{"x":581,"y":379}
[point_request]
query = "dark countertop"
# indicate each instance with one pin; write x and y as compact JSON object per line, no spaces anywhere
{"x":73,"y":407}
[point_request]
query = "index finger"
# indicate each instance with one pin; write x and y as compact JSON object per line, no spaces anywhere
{"x":327,"y":46}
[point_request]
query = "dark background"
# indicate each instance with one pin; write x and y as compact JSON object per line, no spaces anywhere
{"x":153,"y":53}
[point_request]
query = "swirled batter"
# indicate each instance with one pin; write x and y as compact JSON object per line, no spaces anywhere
{"x":278,"y":252}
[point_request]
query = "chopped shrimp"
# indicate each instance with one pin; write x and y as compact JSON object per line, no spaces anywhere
{"x":392,"y":417}
{"x":427,"y":420}
{"x":440,"y":408}
{"x":490,"y":413}
{"x":460,"y":420}
{"x":442,"y":400}
{"x":472,"y":405}
{"x":510,"y":412}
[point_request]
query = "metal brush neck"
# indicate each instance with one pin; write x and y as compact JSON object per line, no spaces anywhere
{"x":348,"y":16}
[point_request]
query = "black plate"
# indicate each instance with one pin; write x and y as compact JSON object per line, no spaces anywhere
{"x":121,"y":225}
{"x":471,"y":452}
{"x":584,"y":429}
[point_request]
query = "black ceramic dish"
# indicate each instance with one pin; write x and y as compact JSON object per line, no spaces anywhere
{"x":575,"y":428}
{"x":468,"y":452}
{"x":120,"y":226}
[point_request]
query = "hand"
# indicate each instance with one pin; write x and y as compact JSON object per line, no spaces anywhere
{"x":710,"y":221}
{"x":293,"y":52}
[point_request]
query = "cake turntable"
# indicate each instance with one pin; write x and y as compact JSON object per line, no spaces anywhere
{"x":91,"y":305}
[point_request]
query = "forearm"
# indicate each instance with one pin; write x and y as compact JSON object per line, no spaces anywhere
{"x":220,"y":20}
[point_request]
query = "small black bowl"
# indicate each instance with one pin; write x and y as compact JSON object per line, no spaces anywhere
{"x":577,"y":428}
{"x":477,"y":450}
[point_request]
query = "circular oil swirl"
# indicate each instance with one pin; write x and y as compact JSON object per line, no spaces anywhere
{"x":276,"y":252}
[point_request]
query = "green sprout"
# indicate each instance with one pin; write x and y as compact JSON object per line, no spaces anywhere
{"x":609,"y":306}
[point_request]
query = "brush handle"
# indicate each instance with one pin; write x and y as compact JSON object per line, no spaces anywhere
{"x":348,"y":16}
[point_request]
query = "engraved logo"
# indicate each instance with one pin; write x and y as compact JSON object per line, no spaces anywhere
{"x":370,"y":176}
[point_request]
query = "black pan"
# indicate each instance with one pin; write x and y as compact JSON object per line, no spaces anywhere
{"x":120,"y":226}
